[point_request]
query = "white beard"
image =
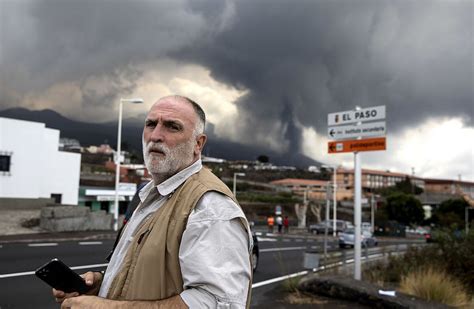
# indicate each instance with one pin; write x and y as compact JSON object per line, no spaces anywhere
{"x":174,"y":160}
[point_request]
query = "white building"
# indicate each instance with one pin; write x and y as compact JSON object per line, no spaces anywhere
{"x":32,"y":167}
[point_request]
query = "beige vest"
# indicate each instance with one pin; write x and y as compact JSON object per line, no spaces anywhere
{"x":151,"y":270}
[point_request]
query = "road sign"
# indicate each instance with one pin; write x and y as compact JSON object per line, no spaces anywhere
{"x":353,"y":131}
{"x":362,"y":115}
{"x":368,"y":144}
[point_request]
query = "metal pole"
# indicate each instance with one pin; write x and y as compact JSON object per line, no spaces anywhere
{"x":372,"y":214}
{"x":117,"y":167}
{"x":235,"y":178}
{"x":357,"y":215}
{"x":334,"y":205}
{"x":326,"y":222}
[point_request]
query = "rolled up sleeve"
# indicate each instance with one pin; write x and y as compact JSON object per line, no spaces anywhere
{"x":214,"y":255}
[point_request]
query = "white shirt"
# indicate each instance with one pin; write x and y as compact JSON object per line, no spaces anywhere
{"x":214,"y":250}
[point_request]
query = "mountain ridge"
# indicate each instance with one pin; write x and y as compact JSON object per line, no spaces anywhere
{"x":88,"y":133}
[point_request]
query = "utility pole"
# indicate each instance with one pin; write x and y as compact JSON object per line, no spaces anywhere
{"x":334,"y":205}
{"x":372,"y":213}
{"x":326,"y":221}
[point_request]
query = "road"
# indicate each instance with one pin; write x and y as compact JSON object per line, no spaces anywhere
{"x":19,"y":288}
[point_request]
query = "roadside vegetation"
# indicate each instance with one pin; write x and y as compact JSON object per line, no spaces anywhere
{"x":435,"y":285}
{"x":442,"y":272}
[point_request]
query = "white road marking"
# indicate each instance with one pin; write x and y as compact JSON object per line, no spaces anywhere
{"x":299,"y":240}
{"x":281,"y":249}
{"x":258,"y":284}
{"x":46,"y":244}
{"x":88,"y":243}
{"x":261,"y":239}
{"x":90,"y":266}
{"x":29,"y":273}
{"x":286,"y":240}
{"x":25,"y":273}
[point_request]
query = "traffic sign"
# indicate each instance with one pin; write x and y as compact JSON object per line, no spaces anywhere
{"x":368,"y":144}
{"x":362,"y":115}
{"x":353,"y":131}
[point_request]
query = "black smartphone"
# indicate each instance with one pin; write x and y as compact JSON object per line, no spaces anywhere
{"x":59,"y":276}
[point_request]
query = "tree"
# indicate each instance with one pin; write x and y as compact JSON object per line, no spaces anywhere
{"x":263,"y":159}
{"x":404,"y":208}
{"x":450,"y":212}
{"x":404,"y":186}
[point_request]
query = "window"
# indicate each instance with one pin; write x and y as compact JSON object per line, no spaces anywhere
{"x":5,"y":163}
{"x":56,"y":197}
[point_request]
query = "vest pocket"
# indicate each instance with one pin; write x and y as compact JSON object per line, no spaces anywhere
{"x":142,"y":236}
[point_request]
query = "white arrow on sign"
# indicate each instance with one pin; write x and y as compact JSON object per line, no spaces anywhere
{"x":362,"y":115}
{"x":352,"y":131}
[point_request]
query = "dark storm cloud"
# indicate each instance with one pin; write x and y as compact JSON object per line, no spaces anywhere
{"x":299,"y":60}
{"x":45,"y":42}
{"x":328,"y":56}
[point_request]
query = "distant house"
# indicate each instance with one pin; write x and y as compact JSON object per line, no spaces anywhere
{"x":315,"y":189}
{"x":31,"y":166}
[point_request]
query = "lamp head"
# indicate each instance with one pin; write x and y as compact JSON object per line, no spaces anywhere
{"x":134,"y":100}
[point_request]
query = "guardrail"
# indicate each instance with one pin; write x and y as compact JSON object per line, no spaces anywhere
{"x":318,"y":261}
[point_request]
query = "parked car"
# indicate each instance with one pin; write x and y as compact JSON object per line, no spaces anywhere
{"x":347,"y":238}
{"x":366,"y":226}
{"x":319,"y":228}
{"x":428,"y":237}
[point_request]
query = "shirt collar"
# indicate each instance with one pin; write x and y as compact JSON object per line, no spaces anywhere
{"x":170,"y":184}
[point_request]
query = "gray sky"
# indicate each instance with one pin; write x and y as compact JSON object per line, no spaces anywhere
{"x":266,"y":71}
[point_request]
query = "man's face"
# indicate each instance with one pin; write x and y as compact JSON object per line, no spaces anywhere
{"x":169,"y":143}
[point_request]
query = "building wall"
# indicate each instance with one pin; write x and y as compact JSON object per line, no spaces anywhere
{"x":38,"y":169}
{"x":450,"y":187}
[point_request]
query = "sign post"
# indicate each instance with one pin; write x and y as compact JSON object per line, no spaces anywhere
{"x":359,"y":131}
{"x":357,"y":216}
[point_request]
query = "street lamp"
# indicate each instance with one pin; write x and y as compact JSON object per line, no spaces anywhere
{"x":118,"y":156}
{"x":235,"y":180}
{"x":334,"y":209}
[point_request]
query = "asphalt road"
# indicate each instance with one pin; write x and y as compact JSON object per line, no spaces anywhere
{"x":19,"y":288}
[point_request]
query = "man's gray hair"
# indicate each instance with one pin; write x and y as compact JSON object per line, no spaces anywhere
{"x":200,"y":126}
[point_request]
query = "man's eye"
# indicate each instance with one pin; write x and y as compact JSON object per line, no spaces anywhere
{"x":174,"y":127}
{"x":150,"y":124}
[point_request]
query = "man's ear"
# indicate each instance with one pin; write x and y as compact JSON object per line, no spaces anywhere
{"x":200,"y":142}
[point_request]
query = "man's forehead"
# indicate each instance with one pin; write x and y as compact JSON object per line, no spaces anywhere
{"x":173,"y":108}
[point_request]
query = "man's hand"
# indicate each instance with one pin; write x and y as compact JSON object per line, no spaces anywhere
{"x":86,"y":301}
{"x":92,"y":279}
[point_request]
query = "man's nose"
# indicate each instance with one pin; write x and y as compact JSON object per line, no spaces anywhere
{"x":157,"y":134}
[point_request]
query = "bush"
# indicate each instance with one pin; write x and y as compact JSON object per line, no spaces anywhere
{"x":435,"y":285}
{"x":453,"y":253}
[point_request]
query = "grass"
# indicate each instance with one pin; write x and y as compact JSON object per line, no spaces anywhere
{"x":294,"y":296}
{"x":290,"y":285}
{"x":435,"y":285}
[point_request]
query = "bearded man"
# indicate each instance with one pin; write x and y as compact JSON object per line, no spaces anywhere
{"x":188,"y":243}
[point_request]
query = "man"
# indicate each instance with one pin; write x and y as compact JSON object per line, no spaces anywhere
{"x":270,"y":222}
{"x":279,"y":222}
{"x":187,"y":244}
{"x":286,"y":224}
